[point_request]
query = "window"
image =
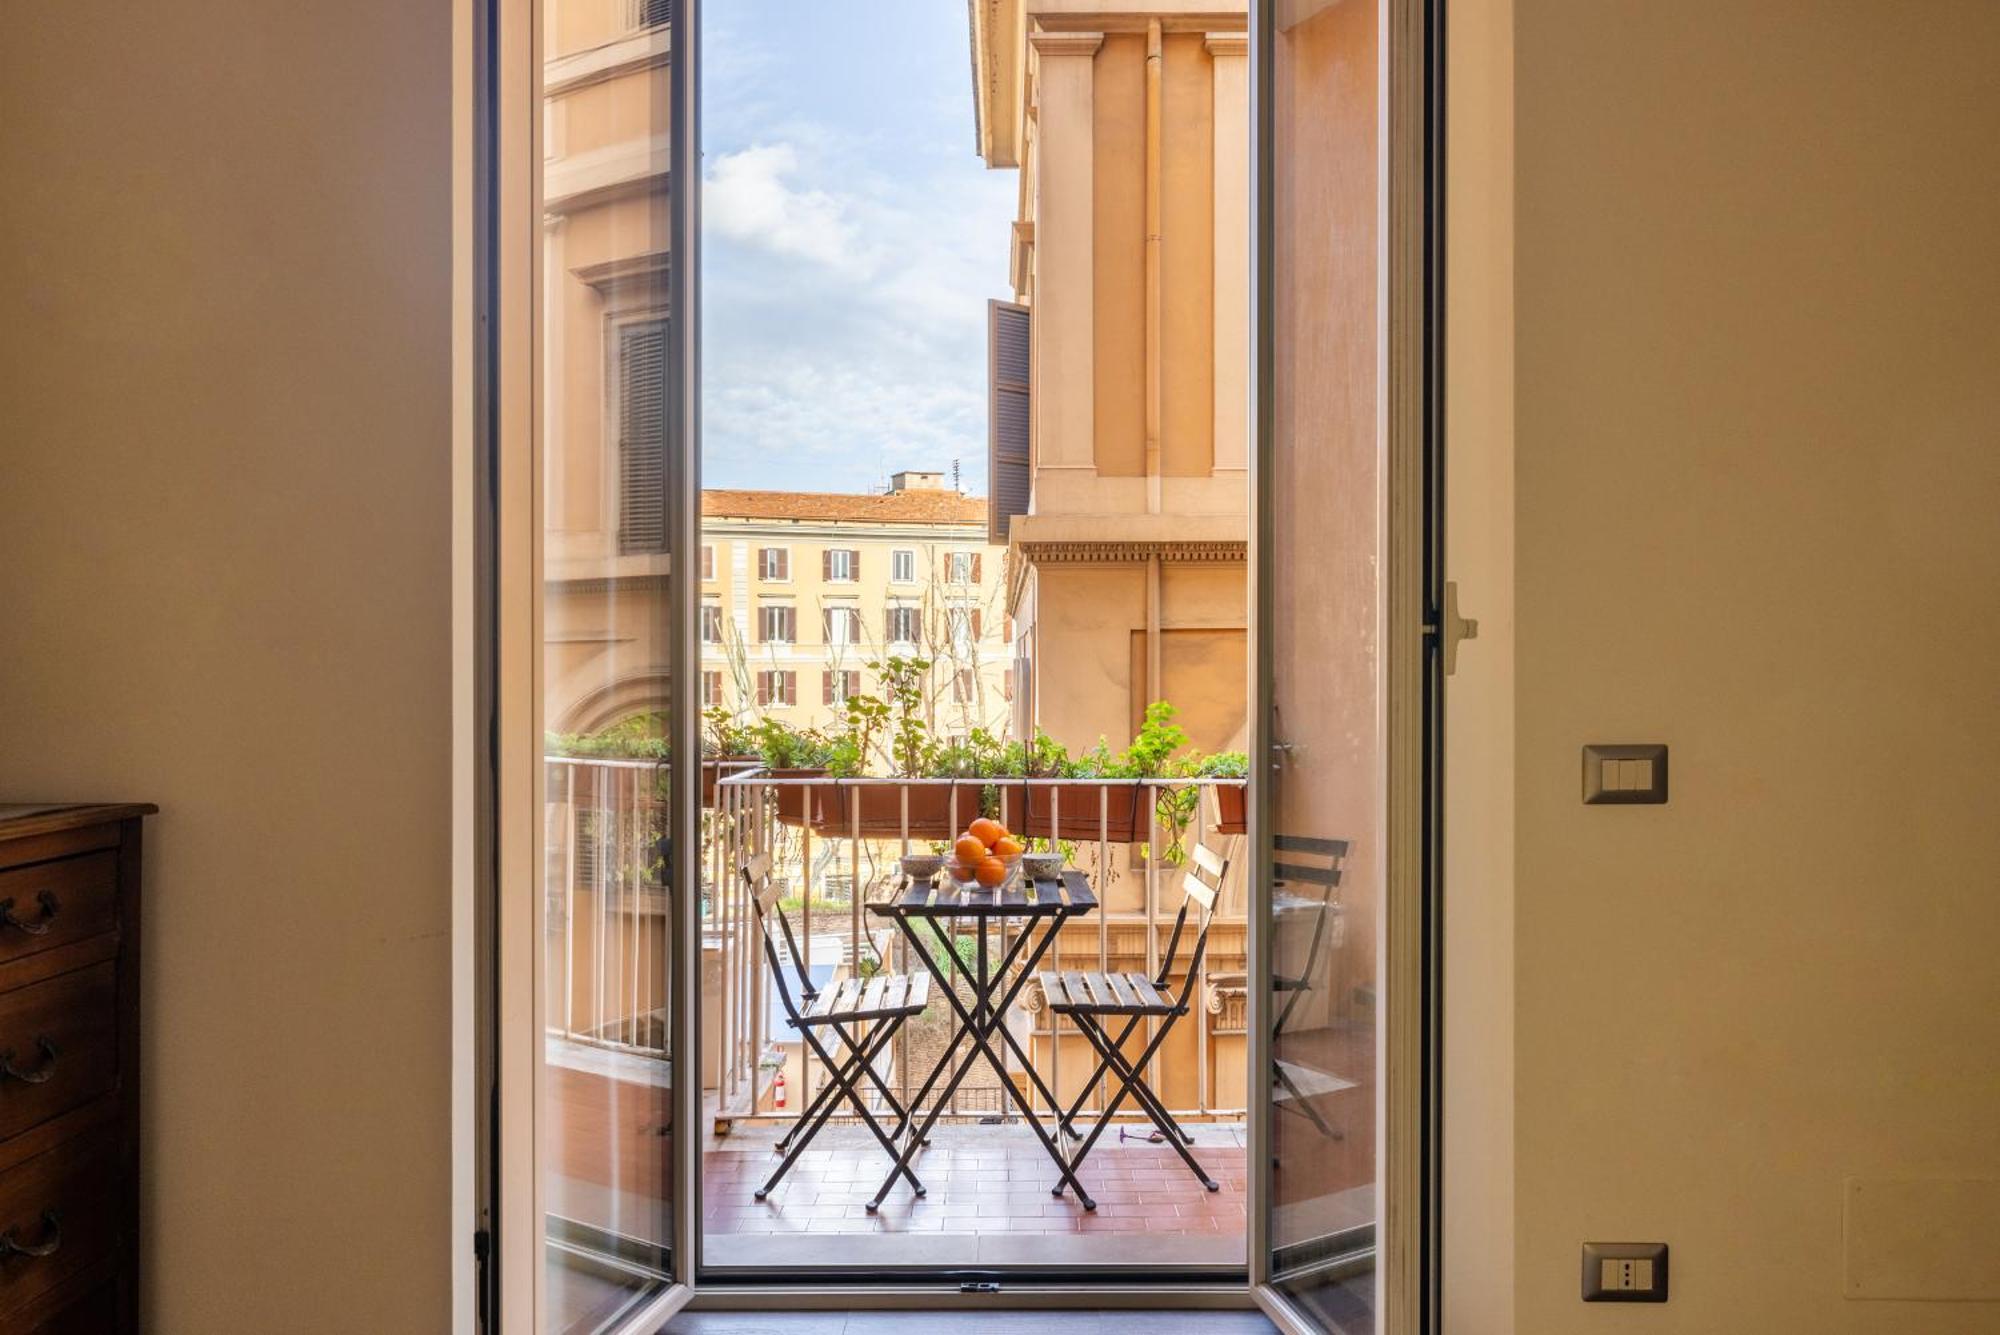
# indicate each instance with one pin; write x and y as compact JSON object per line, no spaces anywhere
{"x":652,"y":13}
{"x":963,"y":687}
{"x":639,"y":358}
{"x":774,"y":563}
{"x":708,"y":560}
{"x":711,"y":689}
{"x":1007,"y":684}
{"x":778,"y":687}
{"x":843,"y":625}
{"x":841,"y":565}
{"x":963,"y":624}
{"x":836,"y":688}
{"x":902,"y":566}
{"x":904,"y":626}
{"x":964,"y":568}
{"x":711,"y":623}
{"x":777,"y":623}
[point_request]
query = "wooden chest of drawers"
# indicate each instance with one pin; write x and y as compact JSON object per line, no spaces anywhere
{"x":69,"y":1068}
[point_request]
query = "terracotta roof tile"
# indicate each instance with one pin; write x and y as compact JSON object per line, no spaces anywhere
{"x":895,"y":507}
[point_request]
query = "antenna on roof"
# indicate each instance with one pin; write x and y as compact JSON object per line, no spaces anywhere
{"x":954,"y":476}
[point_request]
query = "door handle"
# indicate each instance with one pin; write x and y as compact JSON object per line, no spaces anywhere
{"x":1456,"y":628}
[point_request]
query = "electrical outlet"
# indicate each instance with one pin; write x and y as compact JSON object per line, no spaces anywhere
{"x":1624,"y":1272}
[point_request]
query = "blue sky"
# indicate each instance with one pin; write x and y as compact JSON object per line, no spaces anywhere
{"x":851,"y":237}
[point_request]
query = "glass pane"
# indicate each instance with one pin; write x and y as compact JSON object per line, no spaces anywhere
{"x":606,"y":1094}
{"x":1327,"y":805}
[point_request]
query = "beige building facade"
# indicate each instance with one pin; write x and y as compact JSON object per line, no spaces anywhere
{"x":1125,"y":512}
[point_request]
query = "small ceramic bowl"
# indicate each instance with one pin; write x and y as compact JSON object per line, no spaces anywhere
{"x":1042,"y":866}
{"x":921,"y":866}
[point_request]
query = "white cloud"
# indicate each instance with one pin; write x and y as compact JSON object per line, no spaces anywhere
{"x":749,"y":198}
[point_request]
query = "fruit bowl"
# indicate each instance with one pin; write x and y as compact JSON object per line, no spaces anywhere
{"x":965,"y":875}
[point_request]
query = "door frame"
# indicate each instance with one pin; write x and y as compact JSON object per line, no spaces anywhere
{"x":1407,"y":1257}
{"x":498,"y":539}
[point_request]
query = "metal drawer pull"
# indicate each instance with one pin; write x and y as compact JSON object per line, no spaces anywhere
{"x":40,"y":1075}
{"x":50,"y":1244}
{"x":36,"y":927}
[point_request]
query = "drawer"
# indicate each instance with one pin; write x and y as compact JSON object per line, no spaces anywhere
{"x":59,"y":1216}
{"x":49,"y":904}
{"x":58,"y":1046}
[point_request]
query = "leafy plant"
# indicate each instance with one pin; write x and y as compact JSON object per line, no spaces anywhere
{"x":723,"y":735}
{"x":854,"y":738}
{"x":641,"y":737}
{"x":781,"y":746}
{"x":911,"y":749}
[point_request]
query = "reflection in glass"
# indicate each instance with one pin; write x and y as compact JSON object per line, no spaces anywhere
{"x":606,"y":1095}
{"x":1327,"y":802}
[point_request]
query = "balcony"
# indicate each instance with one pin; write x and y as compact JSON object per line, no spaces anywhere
{"x":834,"y":846}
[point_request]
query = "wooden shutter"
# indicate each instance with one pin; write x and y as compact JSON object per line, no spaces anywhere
{"x":642,"y":436}
{"x":826,"y":688}
{"x":1007,"y":416}
{"x":826,"y":564}
{"x":975,"y":623}
{"x":853,"y":684}
{"x":975,"y":567}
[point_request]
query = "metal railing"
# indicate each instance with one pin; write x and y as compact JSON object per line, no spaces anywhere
{"x":848,"y":834}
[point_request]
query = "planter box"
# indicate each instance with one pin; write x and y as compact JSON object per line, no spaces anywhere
{"x":795,"y":801}
{"x":931,"y":807}
{"x":1126,"y":810}
{"x":719,"y":768}
{"x":1231,"y":808}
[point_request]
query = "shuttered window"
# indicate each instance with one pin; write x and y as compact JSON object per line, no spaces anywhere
{"x":1007,"y":417}
{"x":641,"y":350}
{"x":711,"y":688}
{"x":774,"y":563}
{"x":903,"y":626}
{"x":964,"y":568}
{"x":843,"y":625}
{"x":778,"y":687}
{"x":837,"y":688}
{"x":711,"y":623}
{"x":840,"y":564}
{"x":777,"y":623}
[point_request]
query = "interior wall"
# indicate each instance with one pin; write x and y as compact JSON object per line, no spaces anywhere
{"x":1757,"y":481}
{"x":225,"y":587}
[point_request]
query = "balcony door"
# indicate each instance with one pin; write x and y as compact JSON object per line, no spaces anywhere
{"x":1341,"y":521}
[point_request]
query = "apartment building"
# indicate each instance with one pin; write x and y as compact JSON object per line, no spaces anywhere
{"x":1119,"y":413}
{"x":802,"y":591}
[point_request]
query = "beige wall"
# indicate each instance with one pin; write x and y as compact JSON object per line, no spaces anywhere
{"x":1757,"y":484}
{"x":224,"y":565}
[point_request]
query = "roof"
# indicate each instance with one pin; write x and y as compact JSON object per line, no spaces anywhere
{"x":895,"y":507}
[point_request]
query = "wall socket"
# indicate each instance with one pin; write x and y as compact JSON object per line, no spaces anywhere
{"x":1624,"y":1272}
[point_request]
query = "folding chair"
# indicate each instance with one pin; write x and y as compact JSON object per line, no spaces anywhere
{"x":864,"y":1014}
{"x":1304,"y":874}
{"x":1093,"y":1001}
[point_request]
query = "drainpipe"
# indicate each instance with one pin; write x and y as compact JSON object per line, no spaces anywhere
{"x":1155,"y":385}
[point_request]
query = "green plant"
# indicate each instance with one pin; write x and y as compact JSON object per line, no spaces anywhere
{"x":853,"y":739}
{"x":723,"y":735}
{"x":781,"y":746}
{"x":911,"y":749}
{"x":1151,"y":752}
{"x":641,"y":737}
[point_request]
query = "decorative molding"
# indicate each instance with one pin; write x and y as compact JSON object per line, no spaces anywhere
{"x":1228,"y":43}
{"x":1066,"y":43}
{"x":1133,"y":552}
{"x":566,"y":74}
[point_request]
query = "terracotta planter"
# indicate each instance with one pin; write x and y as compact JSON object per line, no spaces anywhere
{"x":881,"y":815}
{"x":1125,"y":811}
{"x":720,"y":767}
{"x":795,"y":800}
{"x":1231,"y":808}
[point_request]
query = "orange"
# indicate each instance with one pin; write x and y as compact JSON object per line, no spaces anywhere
{"x":988,"y":832}
{"x":969,"y":849}
{"x":1007,"y":847}
{"x":990,"y":872}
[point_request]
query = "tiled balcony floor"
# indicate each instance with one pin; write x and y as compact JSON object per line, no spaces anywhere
{"x":988,"y":1202}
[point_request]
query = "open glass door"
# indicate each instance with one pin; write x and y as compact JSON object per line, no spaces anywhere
{"x":1337,"y":1082}
{"x":611,"y":711}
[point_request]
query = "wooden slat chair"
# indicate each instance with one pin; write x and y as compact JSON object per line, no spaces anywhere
{"x":862,"y":1013}
{"x":1094,"y":1001}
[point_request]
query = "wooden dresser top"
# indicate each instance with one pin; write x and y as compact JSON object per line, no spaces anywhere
{"x":20,"y":820}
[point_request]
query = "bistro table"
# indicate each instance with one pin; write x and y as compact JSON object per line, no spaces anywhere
{"x":919,"y":910}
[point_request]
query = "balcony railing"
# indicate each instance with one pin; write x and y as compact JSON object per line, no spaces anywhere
{"x":607,"y":951}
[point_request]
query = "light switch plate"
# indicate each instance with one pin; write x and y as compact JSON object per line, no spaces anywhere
{"x":1624,"y":1272}
{"x":1625,"y":774}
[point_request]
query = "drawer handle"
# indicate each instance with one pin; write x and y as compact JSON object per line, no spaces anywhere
{"x":38,"y":1076}
{"x":35,"y":926}
{"x":50,"y":1244}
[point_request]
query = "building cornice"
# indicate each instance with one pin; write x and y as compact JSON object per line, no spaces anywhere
{"x":1228,"y":44}
{"x":1215,"y":552}
{"x":1066,"y":43}
{"x":580,"y":69}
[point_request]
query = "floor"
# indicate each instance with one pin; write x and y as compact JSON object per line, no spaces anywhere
{"x":969,"y":1323}
{"x":988,"y":1201}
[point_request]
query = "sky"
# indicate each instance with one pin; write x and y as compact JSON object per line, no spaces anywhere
{"x":851,"y":237}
